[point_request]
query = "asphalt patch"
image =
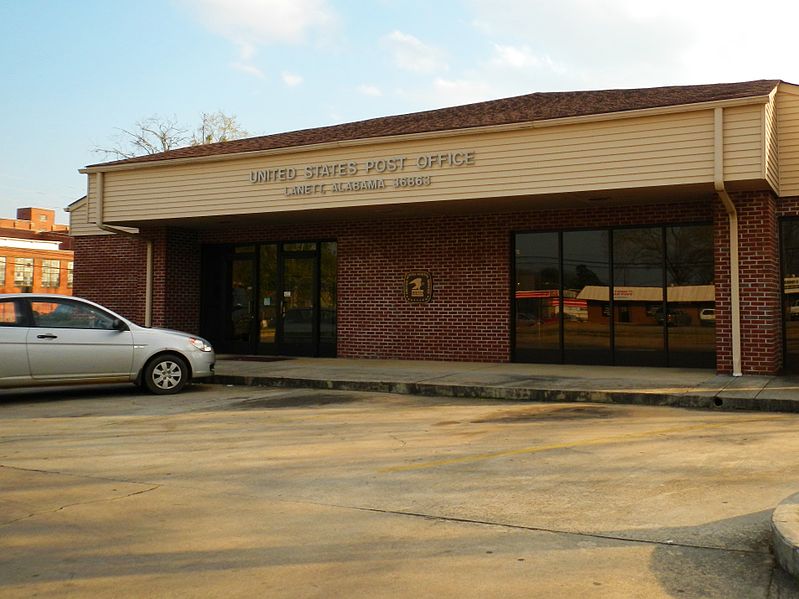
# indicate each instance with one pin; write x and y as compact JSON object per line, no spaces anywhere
{"x":547,"y":413}
{"x":296,"y":401}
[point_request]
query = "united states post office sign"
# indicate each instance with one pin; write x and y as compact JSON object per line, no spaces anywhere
{"x":347,"y":176}
{"x":418,"y":286}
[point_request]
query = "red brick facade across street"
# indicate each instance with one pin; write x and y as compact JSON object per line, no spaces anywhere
{"x":469,"y":253}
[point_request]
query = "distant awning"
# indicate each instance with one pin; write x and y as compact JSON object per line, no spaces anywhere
{"x":677,"y":293}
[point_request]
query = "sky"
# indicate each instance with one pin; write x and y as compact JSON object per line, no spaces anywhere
{"x":75,"y":72}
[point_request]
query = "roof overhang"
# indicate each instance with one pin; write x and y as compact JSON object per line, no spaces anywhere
{"x":449,"y":133}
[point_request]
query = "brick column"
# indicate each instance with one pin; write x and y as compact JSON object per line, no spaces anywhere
{"x":176,"y":278}
{"x":758,"y":254}
{"x":110,"y":270}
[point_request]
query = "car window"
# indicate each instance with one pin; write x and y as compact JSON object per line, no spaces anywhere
{"x":69,"y":315}
{"x":10,"y":314}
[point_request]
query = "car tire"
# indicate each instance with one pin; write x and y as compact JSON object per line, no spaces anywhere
{"x":166,"y":374}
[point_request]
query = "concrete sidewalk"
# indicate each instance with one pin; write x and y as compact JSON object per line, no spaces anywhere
{"x":680,"y":387}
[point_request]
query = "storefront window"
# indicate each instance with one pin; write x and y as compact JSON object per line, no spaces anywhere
{"x":690,"y":296}
{"x":327,"y":297}
{"x":632,"y":296}
{"x":586,"y":278}
{"x":790,"y":291}
{"x":638,"y":296}
{"x":537,"y":296}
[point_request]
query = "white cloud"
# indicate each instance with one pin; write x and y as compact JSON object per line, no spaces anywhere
{"x":634,"y":43}
{"x":461,"y":91}
{"x":250,"y":24}
{"x":449,"y":92}
{"x":258,"y":22}
{"x":411,"y":54}
{"x":291,"y":79}
{"x":248,"y":69}
{"x":370,"y":90}
{"x":246,"y":51}
{"x":519,"y":57}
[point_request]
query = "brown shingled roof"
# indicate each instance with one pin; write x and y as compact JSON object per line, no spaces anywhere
{"x":519,"y":109}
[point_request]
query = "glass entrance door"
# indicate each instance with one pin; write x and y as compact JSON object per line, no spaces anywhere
{"x":241,"y":308}
{"x":297,"y":328}
{"x":270,"y":298}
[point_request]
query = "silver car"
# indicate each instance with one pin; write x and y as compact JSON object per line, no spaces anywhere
{"x":54,"y":339}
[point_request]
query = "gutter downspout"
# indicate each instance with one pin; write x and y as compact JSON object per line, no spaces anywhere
{"x":148,"y":276}
{"x":732,"y":214}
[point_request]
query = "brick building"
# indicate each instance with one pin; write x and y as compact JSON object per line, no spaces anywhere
{"x":653,"y":226}
{"x":35,"y":253}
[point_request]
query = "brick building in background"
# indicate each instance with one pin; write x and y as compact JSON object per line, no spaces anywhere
{"x":35,"y":253}
{"x":653,"y":226}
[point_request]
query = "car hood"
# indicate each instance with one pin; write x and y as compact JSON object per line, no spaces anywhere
{"x":157,"y":332}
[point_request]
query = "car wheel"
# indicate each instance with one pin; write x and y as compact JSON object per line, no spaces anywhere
{"x":166,"y":374}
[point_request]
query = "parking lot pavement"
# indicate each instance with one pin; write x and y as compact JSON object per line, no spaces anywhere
{"x":231,"y":491}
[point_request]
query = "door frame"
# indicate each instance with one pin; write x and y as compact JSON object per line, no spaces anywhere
{"x":216,"y":299}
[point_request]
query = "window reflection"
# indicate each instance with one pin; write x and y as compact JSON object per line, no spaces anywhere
{"x":268,"y":301}
{"x":536,"y":294}
{"x":586,"y":275}
{"x":690,"y":295}
{"x":327,"y":296}
{"x":649,"y":301}
{"x":242,"y":296}
{"x":638,"y":296}
{"x":790,"y":291}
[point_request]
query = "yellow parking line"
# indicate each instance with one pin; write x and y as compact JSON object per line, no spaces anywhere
{"x":540,"y":448}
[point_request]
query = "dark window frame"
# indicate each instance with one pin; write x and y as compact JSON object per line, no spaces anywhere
{"x":611,"y":303}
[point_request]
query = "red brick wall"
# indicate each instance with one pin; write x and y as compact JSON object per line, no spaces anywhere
{"x":761,"y":311}
{"x":469,"y":258}
{"x":470,"y":261}
{"x":759,"y":277}
{"x":110,"y":269}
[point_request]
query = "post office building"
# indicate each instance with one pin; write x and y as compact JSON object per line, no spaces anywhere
{"x":654,"y":227}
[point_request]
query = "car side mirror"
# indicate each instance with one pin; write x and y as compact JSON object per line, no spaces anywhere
{"x":119,"y":325}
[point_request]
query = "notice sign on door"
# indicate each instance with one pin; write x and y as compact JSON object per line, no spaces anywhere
{"x":418,"y":286}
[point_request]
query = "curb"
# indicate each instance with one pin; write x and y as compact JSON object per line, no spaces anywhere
{"x":715,"y":402}
{"x":785,"y":534}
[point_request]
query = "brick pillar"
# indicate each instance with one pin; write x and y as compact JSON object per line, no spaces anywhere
{"x":110,"y":269}
{"x":758,"y":254}
{"x":160,"y":297}
{"x":176,"y":278}
{"x":183,"y":280}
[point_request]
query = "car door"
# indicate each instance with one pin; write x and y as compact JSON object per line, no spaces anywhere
{"x":14,"y":368}
{"x":69,"y":340}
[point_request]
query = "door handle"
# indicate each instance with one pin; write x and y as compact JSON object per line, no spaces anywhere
{"x":47,"y":336}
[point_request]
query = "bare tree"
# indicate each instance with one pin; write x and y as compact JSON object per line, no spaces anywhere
{"x":157,"y":134}
{"x":148,"y":136}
